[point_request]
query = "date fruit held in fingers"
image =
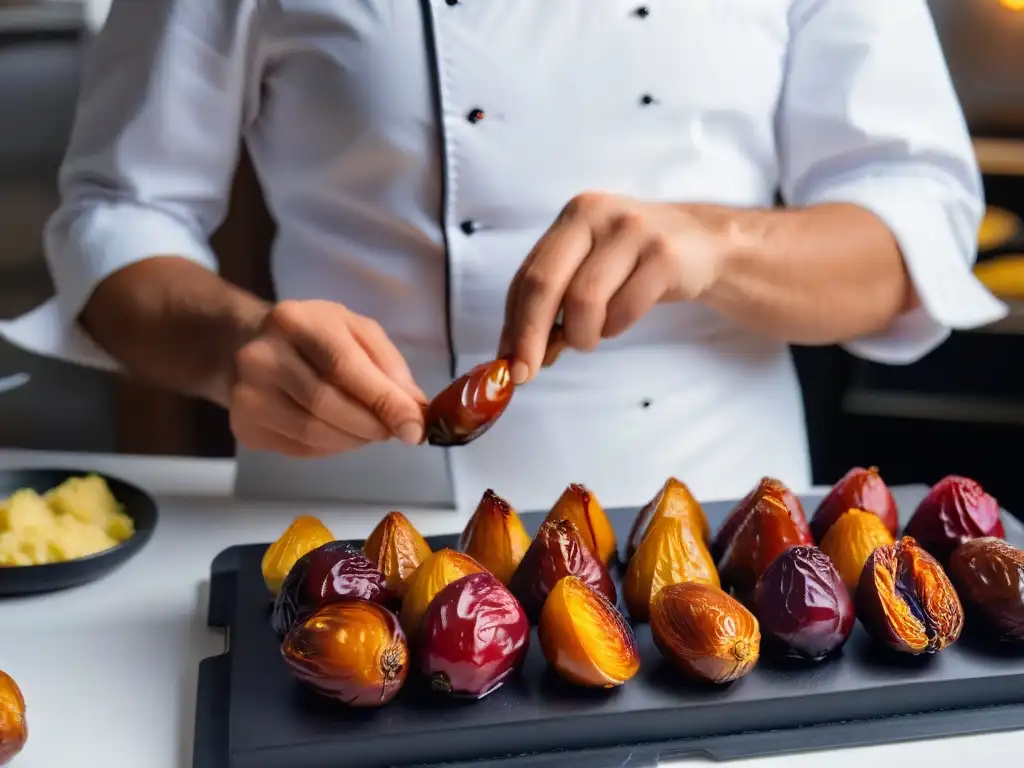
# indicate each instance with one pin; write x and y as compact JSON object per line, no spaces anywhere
{"x":470,"y":405}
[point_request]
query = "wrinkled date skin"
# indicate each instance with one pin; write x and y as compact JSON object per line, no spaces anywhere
{"x":673,"y":500}
{"x":580,"y":505}
{"x":495,"y":537}
{"x":353,"y":651}
{"x":332,"y":572}
{"x":906,"y":602}
{"x":862,"y":489}
{"x":557,"y":551}
{"x":955,"y":510}
{"x":585,"y":639}
{"x":470,"y":405}
{"x":803,"y":606}
{"x":767,"y":487}
{"x":437,"y":572}
{"x":850,"y":542}
{"x":703,"y":632}
{"x":305,"y":534}
{"x":989,"y":576}
{"x":671,"y":553}
{"x":765,"y":533}
{"x":475,"y":635}
{"x":397,"y":549}
{"x":13,"y":725}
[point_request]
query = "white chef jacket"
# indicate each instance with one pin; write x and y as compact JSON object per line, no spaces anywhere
{"x":413,"y":151}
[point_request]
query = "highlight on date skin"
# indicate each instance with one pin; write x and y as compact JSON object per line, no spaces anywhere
{"x":470,"y":405}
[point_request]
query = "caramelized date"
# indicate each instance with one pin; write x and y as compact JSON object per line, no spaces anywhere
{"x":579,"y":504}
{"x":305,"y":534}
{"x":470,"y":405}
{"x":765,"y":533}
{"x":585,"y":639}
{"x":671,"y":553}
{"x":495,"y":537}
{"x":13,"y":725}
{"x":956,"y":510}
{"x":850,"y":542}
{"x":802,"y":604}
{"x":672,"y":500}
{"x":328,"y":574}
{"x":905,"y":600}
{"x":557,"y":551}
{"x":703,"y":632}
{"x":989,"y":575}
{"x":437,"y":572}
{"x":862,"y":489}
{"x":475,"y":635}
{"x":353,"y":651}
{"x":397,"y":549}
{"x":767,"y":487}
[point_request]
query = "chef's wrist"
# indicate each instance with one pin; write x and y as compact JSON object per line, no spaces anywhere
{"x":727,"y":238}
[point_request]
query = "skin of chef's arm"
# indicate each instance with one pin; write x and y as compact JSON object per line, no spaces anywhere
{"x":145,"y":181}
{"x":879,"y":169}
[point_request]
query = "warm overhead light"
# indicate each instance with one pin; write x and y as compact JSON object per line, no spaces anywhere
{"x":1013,"y":5}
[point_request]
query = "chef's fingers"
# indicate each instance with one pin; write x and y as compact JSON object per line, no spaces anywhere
{"x":271,"y":362}
{"x":505,"y":345}
{"x":598,"y":278}
{"x":342,"y":360}
{"x":539,"y":289}
{"x":640,"y":293}
{"x":256,"y":410}
{"x":375,"y":342}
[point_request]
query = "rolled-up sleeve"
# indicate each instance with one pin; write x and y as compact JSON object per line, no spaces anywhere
{"x":152,"y":153}
{"x":869,"y":116}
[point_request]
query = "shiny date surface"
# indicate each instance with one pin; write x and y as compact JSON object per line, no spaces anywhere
{"x":767,"y":487}
{"x":955,"y":510}
{"x":859,"y":488}
{"x":703,"y":632}
{"x":802,"y":605}
{"x":557,"y":551}
{"x":585,"y":639}
{"x":906,"y":601}
{"x":470,"y":405}
{"x":304,"y":534}
{"x":332,"y":572}
{"x":988,"y":574}
{"x":353,"y":651}
{"x":495,"y":537}
{"x":673,"y":499}
{"x":438,"y":571}
{"x":850,"y":541}
{"x":13,"y":723}
{"x":474,"y":635}
{"x":397,"y":549}
{"x":672,"y":552}
{"x":580,"y":505}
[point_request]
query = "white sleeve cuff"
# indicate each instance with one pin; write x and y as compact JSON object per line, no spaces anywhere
{"x":937,"y":235}
{"x":84,"y":246}
{"x":89,"y":242}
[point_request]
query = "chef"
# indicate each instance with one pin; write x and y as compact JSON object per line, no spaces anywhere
{"x":452,"y":177}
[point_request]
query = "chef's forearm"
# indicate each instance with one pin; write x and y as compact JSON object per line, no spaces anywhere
{"x":174,"y":323}
{"x":819,"y":275}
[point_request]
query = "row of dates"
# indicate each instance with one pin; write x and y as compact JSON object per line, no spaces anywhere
{"x":462,"y":616}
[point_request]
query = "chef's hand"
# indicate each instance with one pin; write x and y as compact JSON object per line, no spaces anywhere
{"x":319,"y":380}
{"x":604,"y":263}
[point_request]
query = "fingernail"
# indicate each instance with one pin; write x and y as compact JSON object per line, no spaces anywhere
{"x":410,"y":433}
{"x":520,"y":372}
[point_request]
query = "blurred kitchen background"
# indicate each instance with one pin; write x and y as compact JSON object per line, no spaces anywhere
{"x":960,"y":410}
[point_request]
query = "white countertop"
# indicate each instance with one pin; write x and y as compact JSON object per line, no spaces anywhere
{"x":109,"y":670}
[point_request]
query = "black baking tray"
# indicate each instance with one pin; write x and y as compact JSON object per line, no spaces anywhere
{"x":252,"y":714}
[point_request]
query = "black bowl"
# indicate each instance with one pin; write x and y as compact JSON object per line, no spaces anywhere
{"x":35,"y":579}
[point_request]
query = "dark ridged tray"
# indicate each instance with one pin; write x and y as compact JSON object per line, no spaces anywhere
{"x":252,"y":714}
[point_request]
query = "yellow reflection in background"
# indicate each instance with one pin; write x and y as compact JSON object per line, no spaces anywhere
{"x":1013,"y":5}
